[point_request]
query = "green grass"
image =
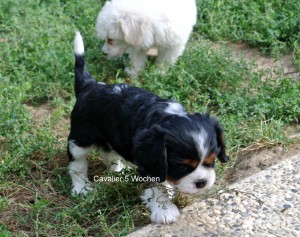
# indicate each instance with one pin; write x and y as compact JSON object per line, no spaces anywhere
{"x":36,"y":67}
{"x":273,"y":26}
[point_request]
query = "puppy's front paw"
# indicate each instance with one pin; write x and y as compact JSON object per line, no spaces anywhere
{"x":164,"y":213}
{"x":162,"y":209}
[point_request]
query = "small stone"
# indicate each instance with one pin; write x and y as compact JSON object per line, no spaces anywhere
{"x":297,"y":228}
{"x":192,"y":225}
{"x":295,"y":233}
{"x":271,"y":227}
{"x":288,"y":195}
{"x":218,"y":212}
{"x":242,"y":209}
{"x":244,"y":214}
{"x":254,"y":215}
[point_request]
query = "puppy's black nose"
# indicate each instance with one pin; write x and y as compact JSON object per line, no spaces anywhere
{"x":201,"y":183}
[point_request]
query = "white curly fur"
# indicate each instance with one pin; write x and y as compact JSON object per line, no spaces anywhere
{"x":135,"y":26}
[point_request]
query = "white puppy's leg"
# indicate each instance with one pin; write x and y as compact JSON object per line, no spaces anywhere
{"x":157,"y":199}
{"x":113,"y":161}
{"x":138,"y":60}
{"x":168,"y":56}
{"x":78,"y":168}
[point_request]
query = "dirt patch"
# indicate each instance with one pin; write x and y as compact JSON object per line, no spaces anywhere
{"x":249,"y":163}
{"x":41,"y":114}
{"x":273,"y":67}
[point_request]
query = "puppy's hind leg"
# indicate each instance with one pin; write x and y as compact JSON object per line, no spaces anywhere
{"x":114,"y":161}
{"x":168,"y":56}
{"x":78,"y":168}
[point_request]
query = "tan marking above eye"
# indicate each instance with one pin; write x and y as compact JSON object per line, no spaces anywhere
{"x":209,"y":160}
{"x":110,"y":41}
{"x":191,"y":162}
{"x":172,"y":180}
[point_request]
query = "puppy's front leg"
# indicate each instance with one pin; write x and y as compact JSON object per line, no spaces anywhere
{"x":78,"y":168}
{"x":138,"y":60}
{"x":158,"y":200}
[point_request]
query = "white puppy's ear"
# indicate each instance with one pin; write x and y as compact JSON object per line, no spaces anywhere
{"x":134,"y":28}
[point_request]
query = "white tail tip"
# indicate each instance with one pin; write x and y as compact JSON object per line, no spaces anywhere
{"x":78,"y":44}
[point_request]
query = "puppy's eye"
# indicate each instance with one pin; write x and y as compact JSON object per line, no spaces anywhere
{"x":109,"y":41}
{"x":182,"y":167}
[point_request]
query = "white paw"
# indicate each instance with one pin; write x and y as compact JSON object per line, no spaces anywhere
{"x":162,"y":209}
{"x":118,"y":166}
{"x":164,"y":213}
{"x":81,"y":189}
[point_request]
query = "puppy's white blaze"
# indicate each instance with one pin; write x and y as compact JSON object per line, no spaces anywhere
{"x":161,"y":207}
{"x":78,"y":44}
{"x":188,"y":183}
{"x":200,"y":139}
{"x":175,"y":108}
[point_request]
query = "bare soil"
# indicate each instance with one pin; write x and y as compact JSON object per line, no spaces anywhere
{"x":249,"y":163}
{"x":42,"y":113}
{"x":272,"y":66}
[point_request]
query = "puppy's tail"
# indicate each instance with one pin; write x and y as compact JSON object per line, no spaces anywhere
{"x":82,"y":76}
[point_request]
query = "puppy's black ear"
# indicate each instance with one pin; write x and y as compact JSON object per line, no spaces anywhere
{"x":149,"y":153}
{"x":220,"y":140}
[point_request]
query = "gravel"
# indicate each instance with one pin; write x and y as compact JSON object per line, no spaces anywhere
{"x":264,"y":204}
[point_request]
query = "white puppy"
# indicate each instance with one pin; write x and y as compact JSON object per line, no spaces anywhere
{"x":135,"y":26}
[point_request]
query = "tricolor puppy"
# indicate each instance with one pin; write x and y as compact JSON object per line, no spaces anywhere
{"x":135,"y":26}
{"x":155,"y":134}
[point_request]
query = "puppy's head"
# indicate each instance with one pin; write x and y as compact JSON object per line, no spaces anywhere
{"x":121,"y":29}
{"x":182,"y":151}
